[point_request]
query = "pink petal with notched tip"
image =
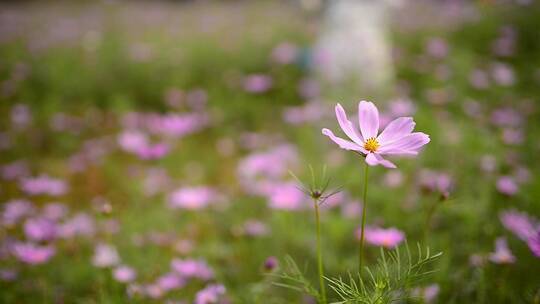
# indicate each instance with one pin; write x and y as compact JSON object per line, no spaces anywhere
{"x":374,"y":159}
{"x":396,"y":129}
{"x":342,"y":143}
{"x":409,"y":143}
{"x":368,"y":119}
{"x":347,"y":126}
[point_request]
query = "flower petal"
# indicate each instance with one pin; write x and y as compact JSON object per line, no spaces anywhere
{"x":374,"y":159}
{"x":406,"y":145}
{"x":368,"y":119}
{"x":347,"y":126}
{"x":371,"y":159}
{"x":384,"y":162}
{"x":342,"y":143}
{"x":396,"y":129}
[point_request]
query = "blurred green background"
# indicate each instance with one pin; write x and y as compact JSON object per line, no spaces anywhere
{"x":76,"y":75}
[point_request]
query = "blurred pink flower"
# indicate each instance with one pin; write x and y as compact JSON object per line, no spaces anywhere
{"x":503,"y":74}
{"x":256,"y":228}
{"x":506,"y":117}
{"x":15,"y":210}
{"x":258,"y":172}
{"x":389,"y":238}
{"x":80,"y":224}
{"x":40,"y":229}
{"x":351,"y":209}
{"x":189,"y":268}
{"x":170,"y":281}
{"x":33,"y":254}
{"x":507,"y":185}
{"x":309,"y":112}
{"x":124,"y":274}
{"x":175,"y":125}
{"x":534,"y":244}
{"x":154,"y":291}
{"x":132,"y":141}
{"x":428,"y":293}
{"x":284,"y":53}
{"x":502,"y":254}
{"x":270,"y":263}
{"x":257,"y":83}
{"x":434,"y":181}
{"x":43,"y":185}
{"x":519,"y":223}
{"x":154,"y":151}
{"x":401,"y":107}
{"x":15,"y":170}
{"x":505,"y":44}
{"x":437,"y":47}
{"x":54,"y":211}
{"x":193,"y":198}
{"x":21,"y":115}
{"x":105,"y":256}
{"x":396,"y":139}
{"x":393,"y":179}
{"x":210,"y":294}
{"x":8,"y":275}
{"x":286,"y":196}
{"x":479,"y":79}
{"x":513,"y":136}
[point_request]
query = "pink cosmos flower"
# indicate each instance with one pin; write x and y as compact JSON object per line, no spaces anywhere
{"x":519,"y":223}
{"x":435,"y":181}
{"x":124,"y":274}
{"x":192,"y":269}
{"x":14,"y":170}
{"x":388,"y":238}
{"x":396,"y":139}
{"x":286,"y":196}
{"x":40,"y":229}
{"x":210,"y":294}
{"x":54,"y":211}
{"x":154,"y":151}
{"x":503,"y":74}
{"x":170,"y":281}
{"x":44,"y":184}
{"x":193,"y":198}
{"x":105,"y":256}
{"x":507,"y":185}
{"x":33,"y":254}
{"x":257,"y":83}
{"x":15,"y":210}
{"x":502,"y":254}
{"x":311,"y":111}
{"x":80,"y":224}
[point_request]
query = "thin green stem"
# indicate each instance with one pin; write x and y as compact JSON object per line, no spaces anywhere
{"x":429,"y":216}
{"x":364,"y":207}
{"x":319,"y":253}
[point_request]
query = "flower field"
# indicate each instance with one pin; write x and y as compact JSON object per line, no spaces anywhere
{"x":199,"y":152}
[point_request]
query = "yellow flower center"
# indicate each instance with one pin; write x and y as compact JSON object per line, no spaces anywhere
{"x":371,"y":144}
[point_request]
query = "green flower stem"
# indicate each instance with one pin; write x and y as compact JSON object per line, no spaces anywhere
{"x":364,"y":207}
{"x":319,"y":253}
{"x":429,"y":217}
